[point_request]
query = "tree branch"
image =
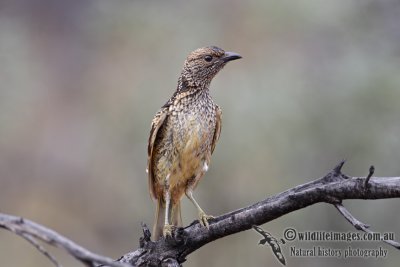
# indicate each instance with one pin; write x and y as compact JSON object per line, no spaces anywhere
{"x":33,"y":232}
{"x":361,"y":226}
{"x":39,"y":247}
{"x":332,"y":188}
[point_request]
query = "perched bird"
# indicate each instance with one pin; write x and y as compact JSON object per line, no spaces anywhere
{"x":183,"y":136}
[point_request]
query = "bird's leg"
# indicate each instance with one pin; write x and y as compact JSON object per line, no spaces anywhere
{"x":167,"y":196}
{"x":203,"y":217}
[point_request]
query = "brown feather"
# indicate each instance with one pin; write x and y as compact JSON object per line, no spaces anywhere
{"x":156,"y":124}
{"x":218,"y":127}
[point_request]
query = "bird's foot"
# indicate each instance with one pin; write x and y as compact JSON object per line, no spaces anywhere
{"x":167,"y":230}
{"x":203,"y":219}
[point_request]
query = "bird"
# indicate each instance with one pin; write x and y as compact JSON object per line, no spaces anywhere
{"x":183,"y":136}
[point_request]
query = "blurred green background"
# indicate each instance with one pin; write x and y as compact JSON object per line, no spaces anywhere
{"x":80,"y":82}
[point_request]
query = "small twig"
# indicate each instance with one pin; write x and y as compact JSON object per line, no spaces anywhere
{"x":39,"y":247}
{"x":350,"y":218}
{"x":146,"y":235}
{"x":338,"y":168}
{"x":360,"y":225}
{"x":24,"y":228}
{"x":371,"y":172}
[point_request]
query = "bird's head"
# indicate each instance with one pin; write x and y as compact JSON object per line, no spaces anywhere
{"x":204,"y":63}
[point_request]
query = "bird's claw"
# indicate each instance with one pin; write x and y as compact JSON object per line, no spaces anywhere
{"x":203,"y":219}
{"x":167,"y":230}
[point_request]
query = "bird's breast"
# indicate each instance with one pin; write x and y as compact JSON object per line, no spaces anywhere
{"x":192,"y":145}
{"x":184,"y":147}
{"x":195,"y":132}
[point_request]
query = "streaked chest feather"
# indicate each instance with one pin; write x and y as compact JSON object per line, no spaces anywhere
{"x":187,"y":146}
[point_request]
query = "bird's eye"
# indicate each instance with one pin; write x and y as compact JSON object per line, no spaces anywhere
{"x":208,"y":58}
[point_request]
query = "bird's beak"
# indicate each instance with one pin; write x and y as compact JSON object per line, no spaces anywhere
{"x":229,"y":56}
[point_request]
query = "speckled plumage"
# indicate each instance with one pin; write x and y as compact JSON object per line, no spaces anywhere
{"x":183,"y":136}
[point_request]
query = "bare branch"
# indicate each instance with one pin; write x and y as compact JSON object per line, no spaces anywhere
{"x":361,"y":226}
{"x":32,"y":231}
{"x":371,"y":172}
{"x":332,"y":188}
{"x":350,"y":218}
{"x":39,"y":247}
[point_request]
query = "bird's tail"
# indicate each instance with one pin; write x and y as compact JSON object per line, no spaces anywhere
{"x":159,"y":220}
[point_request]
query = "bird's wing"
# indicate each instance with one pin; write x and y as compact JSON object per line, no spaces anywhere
{"x":156,"y":124}
{"x":218,"y":127}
